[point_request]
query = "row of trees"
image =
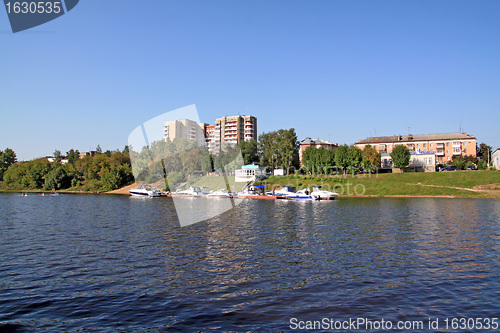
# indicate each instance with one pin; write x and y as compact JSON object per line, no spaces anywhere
{"x":277,"y":149}
{"x":178,"y":159}
{"x":345,"y":158}
{"x":103,"y":171}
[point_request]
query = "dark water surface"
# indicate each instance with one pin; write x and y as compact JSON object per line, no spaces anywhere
{"x":113,"y":263}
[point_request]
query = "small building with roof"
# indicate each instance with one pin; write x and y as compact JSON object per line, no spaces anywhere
{"x":249,"y":173}
{"x":308,"y":142}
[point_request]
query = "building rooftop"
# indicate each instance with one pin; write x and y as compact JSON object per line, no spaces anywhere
{"x":309,"y":141}
{"x":417,"y":137}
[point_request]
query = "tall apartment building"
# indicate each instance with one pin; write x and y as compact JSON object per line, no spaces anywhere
{"x":185,"y":129}
{"x":230,"y":131}
{"x":444,"y":145}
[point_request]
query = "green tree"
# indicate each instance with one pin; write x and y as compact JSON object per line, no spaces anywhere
{"x":268,"y":148}
{"x":318,"y":160}
{"x":288,"y":149}
{"x":58,"y":156}
{"x":355,"y":158}
{"x":57,"y":179}
{"x":279,"y":148}
{"x":400,"y":156}
{"x":207,"y":163}
{"x":249,"y":151}
{"x":484,"y":152}
{"x":482,"y":165}
{"x":72,"y":156}
{"x":371,"y":158}
{"x":459,"y":162}
{"x":7,"y":158}
{"x":342,"y":158}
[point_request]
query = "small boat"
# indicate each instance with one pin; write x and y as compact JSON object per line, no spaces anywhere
{"x":252,"y":191}
{"x":285,"y":191}
{"x":304,"y":194}
{"x":219,"y":194}
{"x":192,"y":191}
{"x":144,"y":191}
{"x":205,"y":190}
{"x":323,"y":194}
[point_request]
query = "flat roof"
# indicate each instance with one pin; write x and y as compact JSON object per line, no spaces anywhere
{"x":417,"y":137}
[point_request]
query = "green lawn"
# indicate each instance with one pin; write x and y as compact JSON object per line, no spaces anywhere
{"x":412,"y":184}
{"x":215,"y":183}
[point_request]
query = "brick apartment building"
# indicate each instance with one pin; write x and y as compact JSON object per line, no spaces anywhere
{"x":226,"y":131}
{"x":308,"y":142}
{"x":444,"y":145}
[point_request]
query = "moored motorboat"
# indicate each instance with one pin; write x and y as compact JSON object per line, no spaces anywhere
{"x":219,"y":194}
{"x":252,"y":191}
{"x":285,"y":191}
{"x":192,"y":191}
{"x":144,"y":191}
{"x":323,"y":194}
{"x":304,"y":194}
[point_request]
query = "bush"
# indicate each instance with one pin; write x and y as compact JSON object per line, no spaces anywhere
{"x":482,"y":165}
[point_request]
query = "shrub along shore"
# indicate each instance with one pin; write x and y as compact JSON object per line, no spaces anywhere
{"x":457,"y":184}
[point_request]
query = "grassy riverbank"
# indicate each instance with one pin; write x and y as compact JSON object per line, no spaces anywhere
{"x":459,"y":184}
{"x":463,"y":184}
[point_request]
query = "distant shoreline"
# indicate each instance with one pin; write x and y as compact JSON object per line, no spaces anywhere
{"x":469,"y":185}
{"x":341,"y":197}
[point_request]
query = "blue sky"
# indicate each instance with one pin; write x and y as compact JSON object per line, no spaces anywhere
{"x":338,"y":70}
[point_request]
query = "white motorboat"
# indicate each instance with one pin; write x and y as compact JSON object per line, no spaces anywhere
{"x":219,"y":194}
{"x":252,"y":191}
{"x":205,"y":190}
{"x":144,"y":191}
{"x":192,"y":191}
{"x":323,"y":194}
{"x":285,"y":191}
{"x":304,"y":194}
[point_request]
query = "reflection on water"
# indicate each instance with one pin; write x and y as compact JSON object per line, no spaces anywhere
{"x":118,"y":263}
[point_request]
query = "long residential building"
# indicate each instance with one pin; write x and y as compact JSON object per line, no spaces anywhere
{"x":444,"y":145}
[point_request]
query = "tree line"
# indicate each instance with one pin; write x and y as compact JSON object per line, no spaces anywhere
{"x":178,"y":159}
{"x":101,"y":172}
{"x":344,"y":159}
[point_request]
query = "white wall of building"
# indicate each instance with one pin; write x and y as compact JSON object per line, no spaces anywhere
{"x":495,"y":159}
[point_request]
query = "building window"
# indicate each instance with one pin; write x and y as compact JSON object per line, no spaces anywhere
{"x":447,"y":144}
{"x":448,"y":158}
{"x":465,"y":150}
{"x":425,"y":145}
{"x":431,"y":144}
{"x":447,"y":151}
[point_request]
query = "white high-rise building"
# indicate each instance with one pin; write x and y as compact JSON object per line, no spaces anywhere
{"x":185,"y":129}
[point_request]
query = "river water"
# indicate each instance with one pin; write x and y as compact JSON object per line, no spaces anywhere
{"x":111,"y":263}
